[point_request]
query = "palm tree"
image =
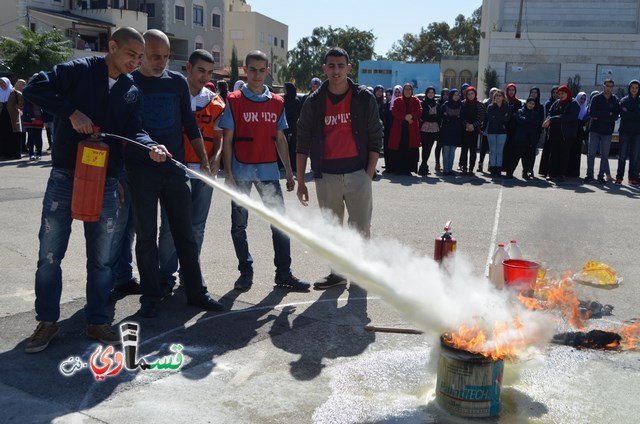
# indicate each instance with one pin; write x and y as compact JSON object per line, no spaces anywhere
{"x":36,"y":51}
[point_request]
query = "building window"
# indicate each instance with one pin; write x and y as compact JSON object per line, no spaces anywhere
{"x":179,"y":13}
{"x":466,"y":77}
{"x":449,"y":79}
{"x":262,"y":37}
{"x":198,"y":46}
{"x":215,"y":20}
{"x":275,"y":41}
{"x":282,"y":44}
{"x":216,"y":58}
{"x":198,"y":15}
{"x":149,"y":8}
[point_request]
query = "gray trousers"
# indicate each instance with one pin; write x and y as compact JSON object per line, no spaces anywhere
{"x":353,"y":191}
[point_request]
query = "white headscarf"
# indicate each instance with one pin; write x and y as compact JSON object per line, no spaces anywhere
{"x":238,"y":85}
{"x":4,"y":94}
{"x":393,"y":94}
{"x":583,"y":107}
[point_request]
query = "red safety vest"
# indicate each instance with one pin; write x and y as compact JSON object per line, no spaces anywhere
{"x":255,"y":127}
{"x":205,"y":118}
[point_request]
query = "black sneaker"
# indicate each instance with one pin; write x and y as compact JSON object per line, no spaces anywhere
{"x":244,"y":282}
{"x":602,"y":180}
{"x":587,"y":179}
{"x":130,"y":287}
{"x":207,"y":303}
{"x":330,"y":280}
{"x":289,"y":281}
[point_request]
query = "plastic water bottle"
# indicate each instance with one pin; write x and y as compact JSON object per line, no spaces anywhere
{"x":496,"y":270}
{"x":514,"y":250}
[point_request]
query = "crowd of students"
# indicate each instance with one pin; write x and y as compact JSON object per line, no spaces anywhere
{"x":511,"y":131}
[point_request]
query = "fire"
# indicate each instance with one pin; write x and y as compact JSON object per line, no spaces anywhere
{"x":630,"y":336}
{"x":473,"y":339}
{"x":559,"y":294}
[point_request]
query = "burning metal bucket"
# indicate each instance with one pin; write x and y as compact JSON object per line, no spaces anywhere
{"x":468,"y":384}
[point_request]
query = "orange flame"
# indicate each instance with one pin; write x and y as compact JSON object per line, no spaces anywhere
{"x":473,"y":339}
{"x":630,"y":336}
{"x":559,"y":295}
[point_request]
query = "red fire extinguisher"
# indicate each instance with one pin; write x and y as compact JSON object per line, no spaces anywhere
{"x":89,"y":179}
{"x":445,"y":244}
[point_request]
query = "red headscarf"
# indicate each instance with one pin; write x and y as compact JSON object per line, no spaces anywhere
{"x":511,"y":99}
{"x":567,"y":90}
{"x":475,"y":99}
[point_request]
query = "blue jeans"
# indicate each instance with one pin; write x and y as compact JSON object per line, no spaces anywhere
{"x":201,"y":194}
{"x":629,"y":149}
{"x":55,"y":229}
{"x":148,"y":186}
{"x":448,"y":153}
{"x":271,"y":195}
{"x":496,"y":148}
{"x":121,"y":261}
{"x":597,"y":142}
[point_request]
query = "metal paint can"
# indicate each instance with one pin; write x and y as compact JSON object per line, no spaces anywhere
{"x":468,"y":384}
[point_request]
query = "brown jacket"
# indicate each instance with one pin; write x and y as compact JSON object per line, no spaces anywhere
{"x":14,"y":105}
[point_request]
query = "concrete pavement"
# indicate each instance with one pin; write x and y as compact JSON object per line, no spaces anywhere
{"x":279,"y":357}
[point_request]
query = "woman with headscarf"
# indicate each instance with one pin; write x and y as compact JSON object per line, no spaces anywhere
{"x":429,"y":128}
{"x":388,"y":122}
{"x":543,"y":169}
{"x":563,"y":128}
{"x":444,"y":96}
{"x":223,"y":89}
{"x":472,"y":118}
{"x":378,"y":93}
{"x":515,"y":104}
{"x":575,"y":154}
{"x":451,"y":130}
{"x":11,"y":102}
{"x":292,"y":108}
{"x":484,"y":144}
{"x":498,"y":115}
{"x":404,"y":140}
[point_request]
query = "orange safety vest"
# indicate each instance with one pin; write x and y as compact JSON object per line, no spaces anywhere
{"x":205,"y":118}
{"x":255,"y":127}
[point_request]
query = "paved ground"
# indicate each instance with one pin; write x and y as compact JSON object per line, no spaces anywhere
{"x":278,"y":357}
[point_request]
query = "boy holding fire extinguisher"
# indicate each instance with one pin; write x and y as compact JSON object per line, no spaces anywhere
{"x":83,"y":94}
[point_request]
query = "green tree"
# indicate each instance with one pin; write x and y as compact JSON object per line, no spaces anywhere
{"x":305,"y":60}
{"x":490,"y":80}
{"x":34,"y":52}
{"x":234,"y":74}
{"x":440,"y":39}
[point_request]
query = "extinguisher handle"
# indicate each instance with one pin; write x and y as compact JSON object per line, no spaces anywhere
{"x":95,"y":128}
{"x":447,"y":226}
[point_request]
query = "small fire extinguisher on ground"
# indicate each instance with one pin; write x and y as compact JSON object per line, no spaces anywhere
{"x":89,"y":179}
{"x":445,"y":244}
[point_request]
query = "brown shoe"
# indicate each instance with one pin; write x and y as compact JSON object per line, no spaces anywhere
{"x":42,"y":336}
{"x":104,"y":333}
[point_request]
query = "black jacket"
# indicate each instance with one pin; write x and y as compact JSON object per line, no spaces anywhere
{"x":365,"y":124}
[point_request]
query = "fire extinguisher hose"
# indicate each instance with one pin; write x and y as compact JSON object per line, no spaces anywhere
{"x":144,"y":146}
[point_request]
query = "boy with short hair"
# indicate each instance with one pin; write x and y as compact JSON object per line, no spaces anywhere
{"x":253,"y":138}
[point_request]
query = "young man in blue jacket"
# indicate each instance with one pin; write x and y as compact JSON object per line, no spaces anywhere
{"x":603,"y":110}
{"x":81,"y":94}
{"x":629,"y":134}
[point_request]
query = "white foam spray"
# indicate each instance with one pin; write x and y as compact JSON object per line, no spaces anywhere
{"x":436,"y":299}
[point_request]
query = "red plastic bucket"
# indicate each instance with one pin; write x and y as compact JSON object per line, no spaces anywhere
{"x":520,"y":273}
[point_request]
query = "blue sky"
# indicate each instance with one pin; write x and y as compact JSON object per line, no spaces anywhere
{"x":389,"y":20}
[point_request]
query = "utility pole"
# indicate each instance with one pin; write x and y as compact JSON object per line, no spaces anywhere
{"x":519,"y":25}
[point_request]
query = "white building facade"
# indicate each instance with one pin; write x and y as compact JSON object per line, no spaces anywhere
{"x":544,"y":43}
